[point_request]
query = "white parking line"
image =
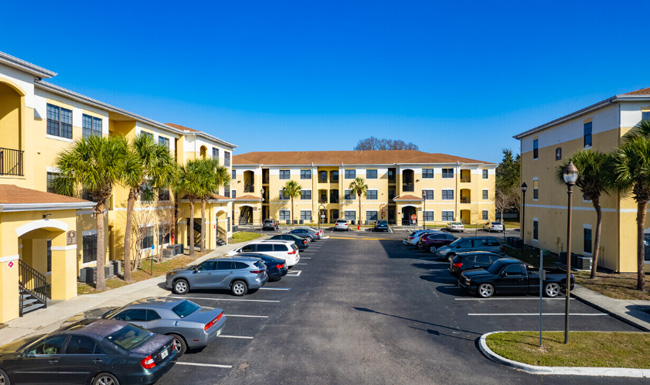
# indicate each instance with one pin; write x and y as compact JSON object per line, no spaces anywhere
{"x":238,"y":337}
{"x":275,"y":288}
{"x":291,"y":273}
{"x":305,"y":257}
{"x":246,"y":316}
{"x":230,"y":299}
{"x":534,"y":314}
{"x":300,"y":263}
{"x":205,"y":365}
{"x":508,"y":298}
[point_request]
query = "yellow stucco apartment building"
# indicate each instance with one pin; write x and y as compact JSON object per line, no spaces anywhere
{"x":600,"y":127}
{"x":45,"y":238}
{"x":454,"y":188}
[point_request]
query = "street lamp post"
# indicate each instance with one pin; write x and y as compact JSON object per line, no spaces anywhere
{"x":570,"y":176}
{"x":424,"y":210}
{"x":524,"y":187}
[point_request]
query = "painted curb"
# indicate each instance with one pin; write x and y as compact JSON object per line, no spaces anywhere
{"x":559,"y":370}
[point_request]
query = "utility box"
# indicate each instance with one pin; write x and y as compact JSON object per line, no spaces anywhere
{"x":584,"y":262}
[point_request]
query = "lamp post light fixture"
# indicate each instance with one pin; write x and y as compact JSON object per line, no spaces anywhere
{"x":524,"y":187}
{"x":424,"y":210}
{"x":570,"y":176}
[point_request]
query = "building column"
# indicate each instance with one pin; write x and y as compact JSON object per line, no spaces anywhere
{"x":64,"y":268}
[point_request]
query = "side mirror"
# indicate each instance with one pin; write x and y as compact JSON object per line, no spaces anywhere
{"x":195,"y":270}
{"x":504,"y":274}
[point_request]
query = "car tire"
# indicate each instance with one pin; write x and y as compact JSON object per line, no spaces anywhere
{"x":433,"y":249}
{"x":4,"y":378}
{"x":181,"y":286}
{"x":179,"y":343}
{"x":552,"y":289}
{"x":238,"y":288}
{"x":105,"y":379}
{"x":485,"y":290}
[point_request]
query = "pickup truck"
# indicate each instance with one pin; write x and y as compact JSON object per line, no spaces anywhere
{"x":512,"y":276}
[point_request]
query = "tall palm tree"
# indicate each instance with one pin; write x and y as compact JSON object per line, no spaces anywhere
{"x":631,"y":172}
{"x":593,"y":183}
{"x":148,"y":163}
{"x":293,"y":190}
{"x":94,"y":164}
{"x":213,"y":177}
{"x":190,"y":183}
{"x":358,"y":187}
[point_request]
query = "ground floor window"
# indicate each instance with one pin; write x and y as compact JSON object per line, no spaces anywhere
{"x":89,"y":248}
{"x":335,"y":215}
{"x":147,"y":238}
{"x":535,"y":230}
{"x":285,"y":215}
{"x":371,"y":215}
{"x":587,"y":240}
{"x":428,"y":216}
{"x":447,"y":216}
{"x":49,"y":255}
{"x":485,"y":215}
{"x":163,"y":234}
{"x":350,"y":215}
{"x":305,"y":215}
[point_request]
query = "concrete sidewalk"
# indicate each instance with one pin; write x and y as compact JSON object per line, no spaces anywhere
{"x":634,"y":312}
{"x":47,"y":320}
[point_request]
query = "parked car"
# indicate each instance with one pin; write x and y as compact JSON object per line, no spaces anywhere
{"x":469,"y":244}
{"x":305,"y":233}
{"x":471,"y":260}
{"x":493,"y":226}
{"x":270,"y":224}
{"x":319,"y":233}
{"x":103,"y":352}
{"x":414,"y":237}
{"x":381,"y":225}
{"x":455,"y":226}
{"x":276,"y":268}
{"x":276,"y":248}
{"x":192,"y":326}
{"x":302,"y":243}
{"x":433,"y":241}
{"x":239,"y":275}
{"x":341,"y":224}
{"x":512,"y":276}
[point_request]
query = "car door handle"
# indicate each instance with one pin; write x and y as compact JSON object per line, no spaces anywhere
{"x":53,"y":361}
{"x":97,"y":360}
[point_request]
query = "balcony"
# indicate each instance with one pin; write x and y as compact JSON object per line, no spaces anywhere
{"x":322,"y":200}
{"x":465,"y":200}
{"x":249,"y":188}
{"x":11,"y":162}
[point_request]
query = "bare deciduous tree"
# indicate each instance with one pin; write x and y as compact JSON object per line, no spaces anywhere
{"x":373,"y":144}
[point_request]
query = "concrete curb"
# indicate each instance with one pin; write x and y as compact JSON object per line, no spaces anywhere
{"x":559,"y":370}
{"x":628,"y":320}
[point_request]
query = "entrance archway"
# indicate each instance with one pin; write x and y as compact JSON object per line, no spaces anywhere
{"x":406,"y":215}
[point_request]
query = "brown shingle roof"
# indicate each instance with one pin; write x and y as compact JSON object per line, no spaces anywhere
{"x":347,"y":157}
{"x":407,"y":198}
{"x":642,"y":91}
{"x":11,"y":194}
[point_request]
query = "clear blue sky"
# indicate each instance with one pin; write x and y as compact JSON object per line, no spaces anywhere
{"x":454,"y":77}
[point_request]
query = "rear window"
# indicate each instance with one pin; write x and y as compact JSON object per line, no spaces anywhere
{"x":294,"y":247}
{"x":260,"y":265}
{"x":241,"y":265}
{"x":130,"y":337}
{"x":279,"y":247}
{"x":185,"y":308}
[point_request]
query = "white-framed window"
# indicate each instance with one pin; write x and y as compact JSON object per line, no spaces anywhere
{"x":485,"y":215}
{"x":371,"y":215}
{"x":371,"y":173}
{"x":285,"y":174}
{"x":485,"y":174}
{"x":349,"y":196}
{"x":305,"y":215}
{"x":147,"y":237}
{"x":59,"y":121}
{"x":350,"y":215}
{"x":535,"y":188}
{"x":163,"y":141}
{"x":447,"y":194}
{"x":447,"y":215}
{"x":50,"y":181}
{"x":535,"y":229}
{"x":485,"y":194}
{"x":427,"y":194}
{"x":91,"y":126}
{"x":372,"y":195}
{"x":447,"y":173}
{"x":283,"y":196}
{"x":428,"y":216}
{"x":234,"y":175}
{"x":285,"y":215}
{"x":350,"y":174}
{"x":305,"y":194}
{"x":305,"y":174}
{"x":427,"y":173}
{"x":215,"y":153}
{"x":226,"y":159}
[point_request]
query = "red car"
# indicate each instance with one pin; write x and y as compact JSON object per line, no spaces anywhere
{"x":433,"y":241}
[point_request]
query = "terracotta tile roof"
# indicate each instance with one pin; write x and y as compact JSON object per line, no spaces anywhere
{"x":347,"y":157}
{"x":407,"y":198}
{"x":642,"y":91}
{"x":11,"y":194}
{"x":182,"y":127}
{"x":248,"y":198}
{"x":217,"y":196}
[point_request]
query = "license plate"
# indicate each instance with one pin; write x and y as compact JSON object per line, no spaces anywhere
{"x":164,"y":354}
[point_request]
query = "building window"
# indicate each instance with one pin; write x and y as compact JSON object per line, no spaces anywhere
{"x":234,"y":194}
{"x":283,"y":196}
{"x":147,"y":193}
{"x":49,"y":255}
{"x":234,"y":175}
{"x":535,"y":189}
{"x":427,"y":173}
{"x":285,"y":174}
{"x":447,"y":173}
{"x":428,"y":216}
{"x":305,"y":215}
{"x":371,"y":215}
{"x":305,"y":194}
{"x":371,"y":173}
{"x":535,"y":148}
{"x":226,"y":191}
{"x":226,"y":159}
{"x":215,"y":153}
{"x":334,"y":177}
{"x":372,"y":195}
{"x":427,"y":194}
{"x":322,"y":176}
{"x":147,"y":134}
{"x":147,"y":238}
{"x":391,"y":194}
{"x":558,"y":153}
{"x":163,"y":237}
{"x":349,"y":196}
{"x":485,"y":174}
{"x":587,"y":138}
{"x":645,"y":115}
{"x":535,"y":229}
{"x":447,"y":216}
{"x":485,"y":215}
{"x":91,"y":126}
{"x":89,"y":248}
{"x":587,"y":238}
{"x":285,"y":215}
{"x":485,"y":194}
{"x":163,"y":194}
{"x":305,"y":174}
{"x":350,"y":215}
{"x":50,"y":181}
{"x":391,"y":175}
{"x":59,"y":121}
{"x":447,"y":195}
{"x":163,"y":141}
{"x":350,"y":174}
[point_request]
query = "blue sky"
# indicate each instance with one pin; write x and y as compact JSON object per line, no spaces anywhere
{"x":454,"y":77}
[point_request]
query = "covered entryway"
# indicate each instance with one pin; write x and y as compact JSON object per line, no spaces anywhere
{"x":406,"y":215}
{"x":465,"y":216}
{"x":245,"y":215}
{"x":222,"y":226}
{"x":197,"y":231}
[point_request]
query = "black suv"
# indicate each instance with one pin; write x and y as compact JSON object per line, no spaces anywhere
{"x":270,"y":224}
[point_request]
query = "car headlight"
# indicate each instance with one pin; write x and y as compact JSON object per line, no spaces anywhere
{"x":171,"y":273}
{"x":442,"y":251}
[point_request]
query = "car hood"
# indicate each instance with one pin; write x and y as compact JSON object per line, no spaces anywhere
{"x":444,"y":248}
{"x":14,"y":346}
{"x":152,"y":345}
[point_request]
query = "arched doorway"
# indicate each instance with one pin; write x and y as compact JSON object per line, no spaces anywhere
{"x":245,"y":215}
{"x":249,"y":182}
{"x":408,"y":181}
{"x":406,"y":215}
{"x":222,"y":226}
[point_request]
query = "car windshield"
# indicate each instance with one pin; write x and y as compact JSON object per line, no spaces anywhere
{"x":185,"y":308}
{"x":495,"y":268}
{"x":456,"y":242}
{"x":382,"y":222}
{"x":496,"y":223}
{"x":130,"y":337}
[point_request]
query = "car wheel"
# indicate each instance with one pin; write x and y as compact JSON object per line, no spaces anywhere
{"x":4,"y":378}
{"x":485,"y":290}
{"x":181,"y":286}
{"x":432,"y":249}
{"x":105,"y":379}
{"x":552,"y":290}
{"x":179,"y":344}
{"x":239,"y":288}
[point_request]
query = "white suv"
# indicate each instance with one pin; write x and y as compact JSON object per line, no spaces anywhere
{"x":286,"y":250}
{"x":341,"y":224}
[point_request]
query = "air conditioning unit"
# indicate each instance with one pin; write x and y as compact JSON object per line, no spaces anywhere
{"x":168,"y":252}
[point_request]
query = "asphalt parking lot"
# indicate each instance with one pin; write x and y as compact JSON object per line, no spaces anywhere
{"x":364,"y":308}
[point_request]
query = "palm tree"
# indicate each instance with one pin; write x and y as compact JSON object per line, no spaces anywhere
{"x":151,"y":163}
{"x":293,"y":190}
{"x":631,"y":171}
{"x":94,"y":164}
{"x":190,"y":183}
{"x":591,"y":164}
{"x":358,"y":187}
{"x":213,"y":177}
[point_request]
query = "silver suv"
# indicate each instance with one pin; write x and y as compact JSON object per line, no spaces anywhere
{"x":462,"y":245}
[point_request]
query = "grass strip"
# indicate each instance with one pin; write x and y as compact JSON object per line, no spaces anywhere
{"x":245,"y":236}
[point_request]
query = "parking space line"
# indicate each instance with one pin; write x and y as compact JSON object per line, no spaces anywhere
{"x":535,"y":314}
{"x":275,"y":288}
{"x":305,"y":257}
{"x":508,"y":298}
{"x":230,"y":299}
{"x":238,"y":337}
{"x":290,"y":274}
{"x":246,"y":316}
{"x":300,"y":263}
{"x":205,"y":365}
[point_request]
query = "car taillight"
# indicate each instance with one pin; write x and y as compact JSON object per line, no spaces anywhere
{"x":304,"y":241}
{"x":279,"y":267}
{"x":147,"y":362}
{"x":458,"y":264}
{"x":214,"y":321}
{"x":501,"y":248}
{"x":256,"y":271}
{"x":292,"y":252}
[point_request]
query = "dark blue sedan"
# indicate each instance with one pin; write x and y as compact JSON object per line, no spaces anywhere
{"x":276,"y":268}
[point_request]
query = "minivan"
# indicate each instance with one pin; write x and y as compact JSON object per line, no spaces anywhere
{"x":286,"y":250}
